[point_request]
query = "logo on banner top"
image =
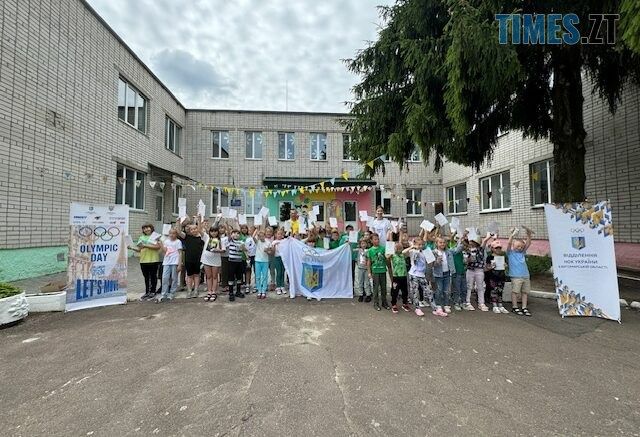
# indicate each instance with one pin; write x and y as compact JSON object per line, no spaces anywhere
{"x":578,"y":243}
{"x":312,"y":277}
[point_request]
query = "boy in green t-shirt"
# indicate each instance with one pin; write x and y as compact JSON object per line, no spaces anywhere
{"x":399,"y":283}
{"x":377,"y":266}
{"x":459,"y":278}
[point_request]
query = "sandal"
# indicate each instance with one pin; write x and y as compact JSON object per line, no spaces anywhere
{"x":517,"y":310}
{"x":526,"y":312}
{"x":211,"y":297}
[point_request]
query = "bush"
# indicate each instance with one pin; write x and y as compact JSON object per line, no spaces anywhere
{"x":538,"y":264}
{"x":8,"y":290}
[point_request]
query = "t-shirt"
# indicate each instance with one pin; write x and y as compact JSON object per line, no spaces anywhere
{"x":295,"y":226}
{"x":475,"y":258}
{"x":192,"y":248}
{"x":458,"y":261}
{"x":418,"y":264}
{"x":148,"y":255}
{"x":250,"y":244}
{"x":261,"y":254}
{"x":517,"y":264}
{"x":398,"y":265}
{"x":334,"y":244}
{"x":381,"y":227}
{"x":354,"y":246}
{"x":444,"y":262}
{"x":209,"y":256}
{"x":234,"y":248}
{"x":172,"y":254}
{"x":378,"y":260}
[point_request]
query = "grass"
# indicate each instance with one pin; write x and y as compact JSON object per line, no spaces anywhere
{"x":8,"y":290}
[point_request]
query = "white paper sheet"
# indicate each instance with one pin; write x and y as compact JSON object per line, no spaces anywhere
{"x":390,"y":248}
{"x":363,"y":213}
{"x":223,"y":243}
{"x":333,"y":222}
{"x":441,"y":219}
{"x":316,"y":210}
{"x":264,"y":211}
{"x":326,"y":242}
{"x":499,"y":261}
{"x":273,"y":221}
{"x":353,"y":236}
{"x":166,"y":228}
{"x":154,"y":236}
{"x":427,"y":225}
{"x":303,"y":228}
{"x":493,"y":227}
{"x":225,"y":211}
{"x":287,"y":226}
{"x":370,"y":222}
{"x":182,"y":211}
{"x":233,"y":213}
{"x":394,"y":227}
{"x":473,"y":234}
{"x":242,"y":219}
{"x":202,"y":210}
{"x":257,"y":220}
{"x":429,"y":256}
{"x":455,"y":223}
{"x":182,"y":201}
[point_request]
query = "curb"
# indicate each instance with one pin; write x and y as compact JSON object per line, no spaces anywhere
{"x":548,"y":295}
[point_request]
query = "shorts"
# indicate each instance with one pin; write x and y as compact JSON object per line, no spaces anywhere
{"x":235,"y":271}
{"x":520,"y":285}
{"x":192,"y":268}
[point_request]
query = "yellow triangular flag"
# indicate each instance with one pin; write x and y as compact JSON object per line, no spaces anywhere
{"x":370,"y":163}
{"x":345,"y":175}
{"x":322,"y":185}
{"x":301,"y":190}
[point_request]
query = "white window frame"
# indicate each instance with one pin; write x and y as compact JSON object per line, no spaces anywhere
{"x":123,"y":187}
{"x":495,"y":192}
{"x":346,"y":153}
{"x":454,"y":208}
{"x":549,"y":163}
{"x":137,"y":95}
{"x":220,"y":133}
{"x":216,"y":199}
{"x":384,"y":195}
{"x":177,"y":136}
{"x":414,"y":195}
{"x":254,"y":135}
{"x":176,"y":192}
{"x":248,"y":200}
{"x":318,"y":135}
{"x":286,"y":136}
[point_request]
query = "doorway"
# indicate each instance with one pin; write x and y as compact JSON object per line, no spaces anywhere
{"x":159,"y":212}
{"x":350,"y":213}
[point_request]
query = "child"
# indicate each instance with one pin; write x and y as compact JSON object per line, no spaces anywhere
{"x":459,"y":278}
{"x":399,"y":281}
{"x":261,"y":263}
{"x":149,"y":260}
{"x":171,"y":266}
{"x":278,"y":265}
{"x":193,"y":245}
{"x":495,"y":275}
{"x":429,"y":239}
{"x":377,"y":266}
{"x":334,"y":242}
{"x":235,"y":249}
{"x":362,"y":283}
{"x":417,"y":276}
{"x":224,"y":256}
{"x":212,"y":261}
{"x":518,"y":271}
{"x":268,"y":236}
{"x":246,"y":238}
{"x":474,"y":258}
{"x":443,"y":267}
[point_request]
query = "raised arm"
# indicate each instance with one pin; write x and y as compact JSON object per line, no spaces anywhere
{"x":486,"y":239}
{"x":511,"y":235}
{"x":528,"y":240}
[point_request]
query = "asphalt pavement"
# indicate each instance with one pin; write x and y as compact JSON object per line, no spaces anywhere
{"x":284,"y":367}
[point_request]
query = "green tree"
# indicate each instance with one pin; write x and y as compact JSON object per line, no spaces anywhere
{"x":437,"y":77}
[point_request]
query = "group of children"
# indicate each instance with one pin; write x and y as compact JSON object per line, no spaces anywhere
{"x":434,"y":270}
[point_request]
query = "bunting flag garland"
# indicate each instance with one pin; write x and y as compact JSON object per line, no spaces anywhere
{"x":67,"y":175}
{"x":121,"y":180}
{"x":489,"y":194}
{"x":345,"y":175}
{"x":535,"y":176}
{"x":516,"y":184}
{"x":138,"y":183}
{"x":333,"y":181}
{"x":162,"y":185}
{"x":322,"y":185}
{"x":152,"y":184}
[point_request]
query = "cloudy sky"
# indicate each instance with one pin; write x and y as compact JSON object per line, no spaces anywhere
{"x":239,"y":54}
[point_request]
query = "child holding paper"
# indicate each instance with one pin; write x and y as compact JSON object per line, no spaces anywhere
{"x":171,"y":266}
{"x":193,"y":245}
{"x":334,"y":241}
{"x":235,"y":249}
{"x":496,"y":277}
{"x":443,"y":267}
{"x":261,"y":263}
{"x":474,"y":257}
{"x":362,"y":283}
{"x":211,"y":260}
{"x":399,"y":281}
{"x":277,"y":262}
{"x":268,"y":236}
{"x":459,"y":278}
{"x":149,"y":249}
{"x":518,"y":271}
{"x":377,"y":266}
{"x":417,"y":275}
{"x":248,"y":256}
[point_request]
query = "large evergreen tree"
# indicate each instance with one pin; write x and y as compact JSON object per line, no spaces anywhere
{"x":437,"y":77}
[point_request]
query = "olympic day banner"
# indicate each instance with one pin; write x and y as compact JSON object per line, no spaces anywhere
{"x":317,"y":273}
{"x":584,"y":261}
{"x":97,"y":271}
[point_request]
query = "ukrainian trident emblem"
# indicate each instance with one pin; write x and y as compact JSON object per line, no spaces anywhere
{"x":312,"y":277}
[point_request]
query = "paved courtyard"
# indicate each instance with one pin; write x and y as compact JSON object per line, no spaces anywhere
{"x":291,"y":367}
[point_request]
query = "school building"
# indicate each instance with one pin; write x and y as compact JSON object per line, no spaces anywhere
{"x":83,"y":119}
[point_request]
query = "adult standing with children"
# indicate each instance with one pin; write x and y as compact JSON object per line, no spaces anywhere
{"x":381,"y":226}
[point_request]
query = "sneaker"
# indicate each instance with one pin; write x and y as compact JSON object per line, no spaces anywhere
{"x":309,"y":298}
{"x":439,"y":312}
{"x":447,"y":309}
{"x":457,"y":307}
{"x":483,"y":307}
{"x":503,"y":310}
{"x":360,"y":298}
{"x":468,"y":307}
{"x":496,"y":310}
{"x":394,"y":309}
{"x":419,"y":312}
{"x":386,"y":306}
{"x":367,"y":299}
{"x":232,"y":297}
{"x":189,"y":294}
{"x":406,"y":308}
{"x":422,"y":304}
{"x":146,"y":296}
{"x":378,"y":308}
{"x":278,"y":291}
{"x":240,"y":294}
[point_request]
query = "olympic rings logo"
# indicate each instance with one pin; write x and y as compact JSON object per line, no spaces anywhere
{"x":105,"y":234}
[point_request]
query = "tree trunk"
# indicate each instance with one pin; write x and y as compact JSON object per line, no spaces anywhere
{"x":567,"y":132}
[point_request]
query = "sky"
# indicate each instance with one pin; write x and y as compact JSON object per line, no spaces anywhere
{"x":240,"y":54}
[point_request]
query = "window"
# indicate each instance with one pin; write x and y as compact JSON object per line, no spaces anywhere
{"x":287,"y":146}
{"x":457,"y":199}
{"x":172,"y":135}
{"x":253,"y":203}
{"x":318,"y":143}
{"x":541,"y":174}
{"x":321,"y":217}
{"x":219,"y":199}
{"x":220,"y":144}
{"x":129,"y":187}
{"x":132,"y":106}
{"x":495,"y":192}
{"x":177,"y":193}
{"x":285,"y":207}
{"x":415,"y":155}
{"x":384,"y":198}
{"x":253,"y":145}
{"x":346,"y":145}
{"x":414,"y":195}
